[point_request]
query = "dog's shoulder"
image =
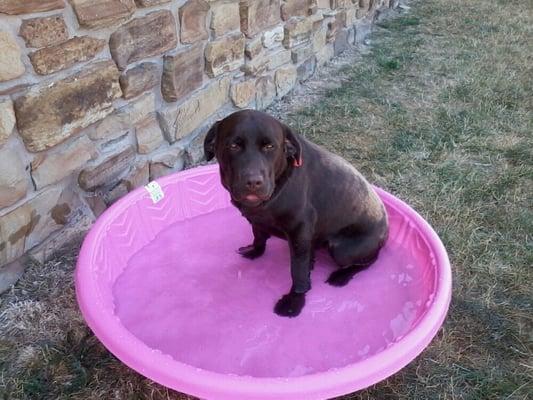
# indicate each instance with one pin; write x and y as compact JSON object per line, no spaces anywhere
{"x":322,"y":159}
{"x":331,"y":173}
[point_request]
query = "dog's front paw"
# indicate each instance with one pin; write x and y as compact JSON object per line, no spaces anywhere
{"x":251,"y":251}
{"x":290,"y":305}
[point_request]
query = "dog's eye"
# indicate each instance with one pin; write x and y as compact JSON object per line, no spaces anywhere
{"x":234,"y":146}
{"x":268,"y":147}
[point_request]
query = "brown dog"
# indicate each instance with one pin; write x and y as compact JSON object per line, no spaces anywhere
{"x":288,"y":187}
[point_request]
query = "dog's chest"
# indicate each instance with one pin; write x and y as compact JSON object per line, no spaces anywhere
{"x":261,"y":218}
{"x":267,"y":222}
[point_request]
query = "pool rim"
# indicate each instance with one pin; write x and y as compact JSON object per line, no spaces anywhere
{"x":162,"y":368}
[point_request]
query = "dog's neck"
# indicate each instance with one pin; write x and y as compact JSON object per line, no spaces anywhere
{"x":282,"y":180}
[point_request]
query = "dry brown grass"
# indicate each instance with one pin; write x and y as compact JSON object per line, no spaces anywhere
{"x":439,"y":112}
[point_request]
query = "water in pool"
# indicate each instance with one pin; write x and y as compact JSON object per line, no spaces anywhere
{"x":190,"y":295}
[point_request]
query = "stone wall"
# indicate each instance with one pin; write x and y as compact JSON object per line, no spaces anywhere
{"x":97,"y":97}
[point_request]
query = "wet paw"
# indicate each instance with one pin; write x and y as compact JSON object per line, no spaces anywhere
{"x":341,"y":277}
{"x":251,"y":251}
{"x":290,"y":305}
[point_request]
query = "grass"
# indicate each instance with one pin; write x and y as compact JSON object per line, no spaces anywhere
{"x":439,"y":112}
{"x":441,"y":115}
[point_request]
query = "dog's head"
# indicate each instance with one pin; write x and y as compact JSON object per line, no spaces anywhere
{"x":253,"y":150}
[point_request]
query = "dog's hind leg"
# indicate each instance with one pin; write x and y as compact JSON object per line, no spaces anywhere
{"x":352,"y":254}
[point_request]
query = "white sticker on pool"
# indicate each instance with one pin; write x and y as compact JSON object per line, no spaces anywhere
{"x":155,"y":191}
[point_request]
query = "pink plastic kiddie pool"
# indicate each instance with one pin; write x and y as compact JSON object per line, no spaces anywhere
{"x":161,"y":285}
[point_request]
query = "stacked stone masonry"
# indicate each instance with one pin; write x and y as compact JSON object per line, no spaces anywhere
{"x":97,"y":97}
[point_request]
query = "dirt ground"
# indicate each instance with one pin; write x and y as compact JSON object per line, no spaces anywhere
{"x":438,"y":110}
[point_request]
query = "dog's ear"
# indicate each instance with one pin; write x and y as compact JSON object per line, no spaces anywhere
{"x":210,"y":141}
{"x":293,"y":148}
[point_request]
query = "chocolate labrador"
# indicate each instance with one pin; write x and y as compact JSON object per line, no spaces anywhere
{"x":288,"y":187}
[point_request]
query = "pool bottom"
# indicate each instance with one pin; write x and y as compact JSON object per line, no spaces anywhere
{"x":190,"y":295}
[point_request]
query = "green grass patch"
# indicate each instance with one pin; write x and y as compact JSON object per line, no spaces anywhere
{"x":399,"y":23}
{"x":389,"y":64}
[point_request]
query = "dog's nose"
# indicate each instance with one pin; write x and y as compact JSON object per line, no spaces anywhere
{"x":254,"y":182}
